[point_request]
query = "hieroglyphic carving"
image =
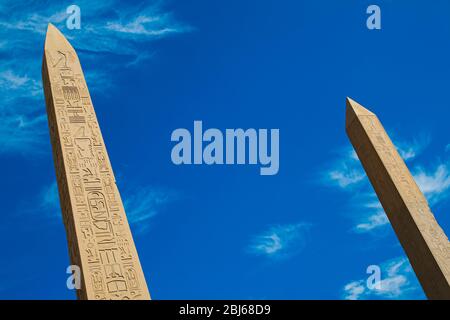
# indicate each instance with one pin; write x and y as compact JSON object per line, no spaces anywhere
{"x":424,"y":241}
{"x":99,"y":237}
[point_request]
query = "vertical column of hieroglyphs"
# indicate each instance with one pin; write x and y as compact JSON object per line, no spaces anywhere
{"x":99,"y":237}
{"x":424,"y":241}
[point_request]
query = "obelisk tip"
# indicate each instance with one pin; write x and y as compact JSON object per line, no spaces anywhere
{"x":357,"y":109}
{"x":55,"y":40}
{"x":50,"y":26}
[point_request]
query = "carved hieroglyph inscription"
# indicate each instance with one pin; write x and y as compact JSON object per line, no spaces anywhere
{"x":98,"y":234}
{"x":423,"y":240}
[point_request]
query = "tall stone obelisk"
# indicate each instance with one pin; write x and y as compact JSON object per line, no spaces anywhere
{"x":98,"y":234}
{"x":423,"y":240}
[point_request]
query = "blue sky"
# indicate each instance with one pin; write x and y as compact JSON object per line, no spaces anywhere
{"x":210,"y":232}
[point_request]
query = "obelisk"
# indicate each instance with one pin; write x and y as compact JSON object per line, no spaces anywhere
{"x":423,"y":240}
{"x":98,"y":234}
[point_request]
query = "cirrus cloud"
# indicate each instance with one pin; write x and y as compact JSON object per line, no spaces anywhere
{"x":112,"y":29}
{"x":347,"y":174}
{"x":280,"y":241}
{"x":398,"y":281}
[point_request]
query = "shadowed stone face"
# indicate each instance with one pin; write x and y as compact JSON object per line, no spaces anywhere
{"x":98,"y":234}
{"x":423,"y":240}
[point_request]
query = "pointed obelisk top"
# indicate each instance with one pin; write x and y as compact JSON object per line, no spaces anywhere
{"x":355,"y":110}
{"x":55,"y":40}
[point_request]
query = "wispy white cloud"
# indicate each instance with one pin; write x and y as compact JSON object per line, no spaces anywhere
{"x":398,"y":281}
{"x":367,"y":212}
{"x":146,"y":203}
{"x":110,"y":29}
{"x":22,"y":133}
{"x":347,"y":174}
{"x":147,"y":25}
{"x":141,"y":57}
{"x":10,"y":80}
{"x":373,"y":221}
{"x":280,"y":241}
{"x":49,"y":201}
{"x":434,"y":183}
{"x":409,"y":150}
{"x":16,"y":86}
